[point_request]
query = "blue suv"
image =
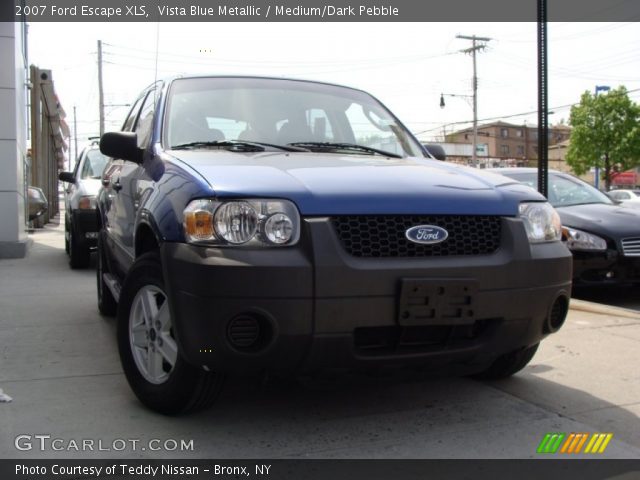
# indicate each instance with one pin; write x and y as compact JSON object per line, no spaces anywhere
{"x":269,"y":225}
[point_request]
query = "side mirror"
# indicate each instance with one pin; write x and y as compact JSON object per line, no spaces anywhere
{"x":436,"y":151}
{"x":66,"y":177}
{"x":122,"y":145}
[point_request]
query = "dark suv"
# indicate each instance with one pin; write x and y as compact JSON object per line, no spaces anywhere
{"x":259,"y":224}
{"x":83,"y":184}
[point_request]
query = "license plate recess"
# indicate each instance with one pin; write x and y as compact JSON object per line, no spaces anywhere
{"x":436,"y":301}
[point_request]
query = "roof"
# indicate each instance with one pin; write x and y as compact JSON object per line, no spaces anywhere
{"x":259,"y":77}
{"x":500,"y":123}
{"x":563,"y":144}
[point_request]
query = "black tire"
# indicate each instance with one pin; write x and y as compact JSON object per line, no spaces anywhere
{"x":107,"y":305}
{"x":185,"y":388}
{"x":79,"y":255}
{"x":66,"y":235}
{"x":508,"y":364}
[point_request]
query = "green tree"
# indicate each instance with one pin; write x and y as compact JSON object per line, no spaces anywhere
{"x":605,"y":133}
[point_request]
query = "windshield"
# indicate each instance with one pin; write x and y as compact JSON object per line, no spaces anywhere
{"x":281,"y":112}
{"x":93,"y":165}
{"x":564,"y":190}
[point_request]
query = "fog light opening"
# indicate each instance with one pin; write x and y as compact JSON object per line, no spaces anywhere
{"x":557,"y":314}
{"x":249,"y":332}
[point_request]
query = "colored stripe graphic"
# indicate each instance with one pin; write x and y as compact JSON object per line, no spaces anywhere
{"x":553,"y":442}
{"x":598,"y":442}
{"x":574,"y":443}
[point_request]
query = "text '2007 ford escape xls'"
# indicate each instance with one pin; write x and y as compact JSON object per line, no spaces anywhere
{"x":259,"y":224}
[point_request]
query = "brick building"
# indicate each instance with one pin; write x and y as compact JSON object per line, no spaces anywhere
{"x":502,"y":143}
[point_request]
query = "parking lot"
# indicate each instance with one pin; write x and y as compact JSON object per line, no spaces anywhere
{"x":59,"y":363}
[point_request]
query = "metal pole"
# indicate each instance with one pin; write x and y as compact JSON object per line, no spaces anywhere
{"x":543,"y":116}
{"x":75,"y":138}
{"x":100,"y":90}
{"x":474,"y":48}
{"x":35,"y":126}
{"x":596,"y":176}
{"x":475,"y":106}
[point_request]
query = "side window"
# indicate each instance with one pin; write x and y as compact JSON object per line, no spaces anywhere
{"x":131,"y":118}
{"x":77,"y":165}
{"x":144,"y":125}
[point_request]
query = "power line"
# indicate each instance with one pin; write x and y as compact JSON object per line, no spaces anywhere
{"x":187,"y":59}
{"x":500,"y":117}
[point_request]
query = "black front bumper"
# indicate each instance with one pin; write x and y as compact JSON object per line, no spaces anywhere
{"x":85,"y":227}
{"x":320,"y":308}
{"x":605,"y":268}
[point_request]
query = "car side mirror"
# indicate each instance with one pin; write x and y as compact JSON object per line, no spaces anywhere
{"x":122,"y":145}
{"x":436,"y":151}
{"x":66,"y":177}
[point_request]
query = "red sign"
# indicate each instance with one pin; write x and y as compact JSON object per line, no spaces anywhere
{"x":629,"y":177}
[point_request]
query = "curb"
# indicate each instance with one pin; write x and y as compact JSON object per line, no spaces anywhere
{"x":600,"y":309}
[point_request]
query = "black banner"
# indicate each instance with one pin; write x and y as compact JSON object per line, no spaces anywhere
{"x":313,"y":10}
{"x":319,"y":469}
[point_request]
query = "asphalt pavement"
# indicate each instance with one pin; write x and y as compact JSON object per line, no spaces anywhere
{"x":59,"y":363}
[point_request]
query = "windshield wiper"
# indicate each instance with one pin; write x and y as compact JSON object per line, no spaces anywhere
{"x":344,"y":146}
{"x":231,"y":144}
{"x":237,"y":145}
{"x":286,"y":148}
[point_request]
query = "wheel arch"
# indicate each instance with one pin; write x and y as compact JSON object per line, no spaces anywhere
{"x":146,"y":238}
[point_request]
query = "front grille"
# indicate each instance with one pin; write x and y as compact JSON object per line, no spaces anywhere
{"x":384,"y":235}
{"x":631,"y":247}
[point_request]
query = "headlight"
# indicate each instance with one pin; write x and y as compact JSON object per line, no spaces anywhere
{"x":242,"y":222}
{"x":87,"y":202}
{"x":541,"y":222}
{"x":236,"y":222}
{"x":579,"y":240}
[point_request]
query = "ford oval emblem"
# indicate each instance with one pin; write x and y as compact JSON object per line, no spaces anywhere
{"x":426,"y":234}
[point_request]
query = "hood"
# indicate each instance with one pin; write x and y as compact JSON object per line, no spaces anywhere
{"x":325,"y":184}
{"x":613,"y":221}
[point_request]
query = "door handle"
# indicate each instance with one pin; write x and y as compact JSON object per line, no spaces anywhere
{"x":117,"y":186}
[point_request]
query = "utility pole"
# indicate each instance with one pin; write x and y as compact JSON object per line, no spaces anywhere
{"x":75,"y":138}
{"x":100,"y":90}
{"x":475,"y":46}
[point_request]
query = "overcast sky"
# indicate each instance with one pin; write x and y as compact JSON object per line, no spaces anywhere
{"x":405,"y":65}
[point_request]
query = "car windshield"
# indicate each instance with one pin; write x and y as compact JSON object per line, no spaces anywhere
{"x":93,"y":165}
{"x":564,"y":190}
{"x":210,"y":112}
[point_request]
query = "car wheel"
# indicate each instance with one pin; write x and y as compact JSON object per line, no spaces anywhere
{"x":79,"y":255}
{"x":508,"y":364}
{"x":149,"y":352}
{"x":107,"y":305}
